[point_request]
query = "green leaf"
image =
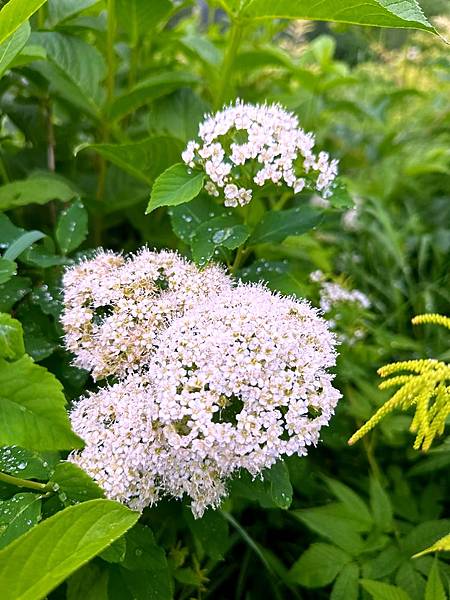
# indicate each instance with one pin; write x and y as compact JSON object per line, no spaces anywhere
{"x":74,"y":485}
{"x":435,"y":589}
{"x":381,"y":506}
{"x":40,"y":337}
{"x":42,"y":558}
{"x":144,"y":160}
{"x":116,"y":552}
{"x":380,"y":13}
{"x":341,"y":197}
{"x":22,"y":243}
{"x":186,"y":218}
{"x":29,"y":54}
{"x":8,"y":231}
{"x":11,"y":338}
{"x":37,"y":189}
{"x":346,"y":586}
{"x":383,"y":591}
{"x":32,"y":408}
{"x":26,"y":464}
{"x":17,"y":515}
{"x":72,"y":227}
{"x":14,"y":14}
{"x":13,"y":45}
{"x":60,"y":10}
{"x":225,"y":231}
{"x":318,"y":565}
{"x":13,"y":290}
{"x":280,"y":484}
{"x":140,"y":16}
{"x":427,"y":533}
{"x":174,"y":186}
{"x":334,"y":522}
{"x":280,"y":276}
{"x":144,"y":572}
{"x":203,"y":48}
{"x":88,"y":583}
{"x":278,"y":225}
{"x":177,"y":115}
{"x":8,"y":268}
{"x":75,"y":69}
{"x":148,"y":90}
{"x":351,"y":500}
{"x":211,"y":532}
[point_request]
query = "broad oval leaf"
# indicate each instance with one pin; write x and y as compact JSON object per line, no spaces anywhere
{"x":278,"y":225}
{"x":72,"y":227}
{"x":27,"y":464}
{"x":225,"y":231}
{"x":38,"y":189}
{"x":34,"y":564}
{"x":32,"y":408}
{"x":74,"y":485}
{"x":11,"y":338}
{"x":145,"y":160}
{"x":187,"y":217}
{"x":149,"y":89}
{"x":14,"y":13}
{"x":75,"y":68}
{"x":379,"y":13}
{"x":280,"y":484}
{"x":60,"y":10}
{"x":8,"y":268}
{"x":175,"y":186}
{"x":13,"y":45}
{"x":17,"y":515}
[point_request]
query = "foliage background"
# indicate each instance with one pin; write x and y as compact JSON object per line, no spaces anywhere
{"x":96,"y":101}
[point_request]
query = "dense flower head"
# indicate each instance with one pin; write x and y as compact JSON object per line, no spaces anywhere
{"x":257,"y":143}
{"x":115,"y":306}
{"x":241,"y":381}
{"x":120,"y":453}
{"x":237,"y":378}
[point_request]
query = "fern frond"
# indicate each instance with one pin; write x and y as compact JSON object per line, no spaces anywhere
{"x":433,"y":318}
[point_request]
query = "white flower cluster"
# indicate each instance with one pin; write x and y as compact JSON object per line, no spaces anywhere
{"x":115,"y":307}
{"x":332,"y":297}
{"x":260,"y":143}
{"x":234,"y":380}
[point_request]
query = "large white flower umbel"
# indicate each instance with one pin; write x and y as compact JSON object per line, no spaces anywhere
{"x":259,"y":143}
{"x":236,"y":381}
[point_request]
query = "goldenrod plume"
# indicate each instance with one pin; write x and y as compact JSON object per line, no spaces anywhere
{"x":425,"y":385}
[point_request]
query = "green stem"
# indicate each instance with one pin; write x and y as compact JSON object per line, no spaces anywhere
{"x":226,"y":79}
{"x":282,"y":201}
{"x":3,"y":171}
{"x":24,"y":483}
{"x":110,"y":56}
{"x":241,"y":254}
{"x":368,"y":447}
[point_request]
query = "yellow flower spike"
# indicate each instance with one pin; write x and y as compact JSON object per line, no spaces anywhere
{"x":425,"y":385}
{"x":432,"y":318}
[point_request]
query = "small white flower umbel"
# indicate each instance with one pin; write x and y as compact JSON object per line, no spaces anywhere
{"x":246,"y":144}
